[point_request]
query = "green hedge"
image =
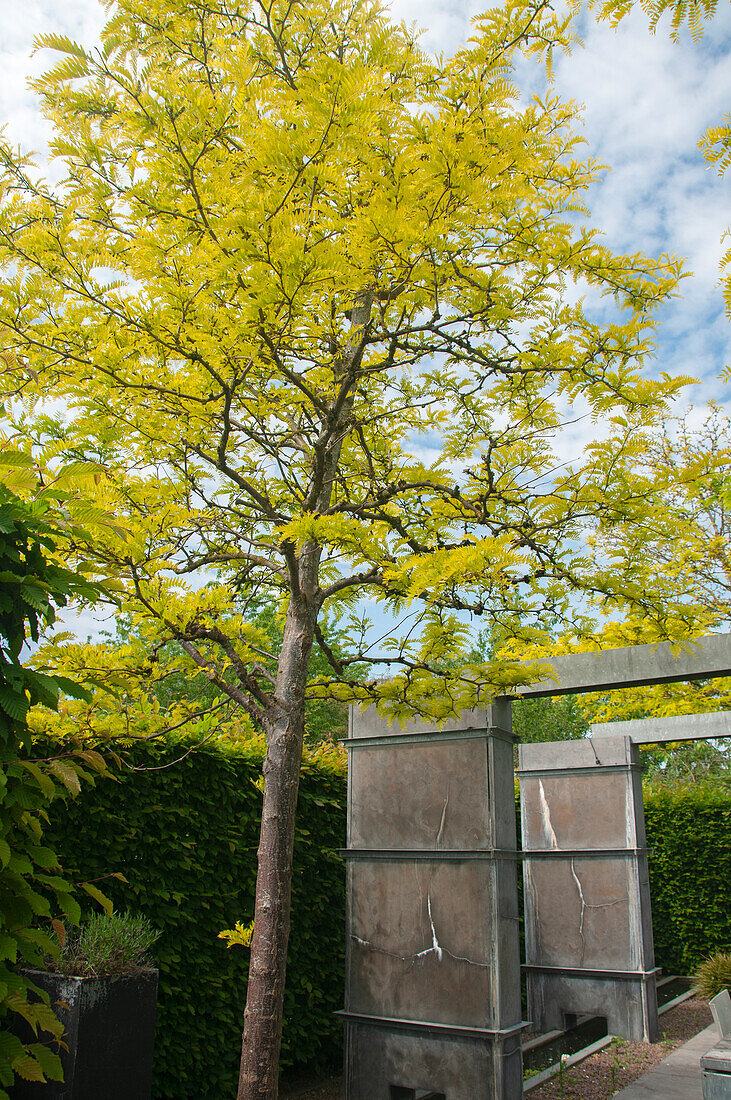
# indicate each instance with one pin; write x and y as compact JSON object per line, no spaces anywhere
{"x":185,"y":836}
{"x":689,"y":836}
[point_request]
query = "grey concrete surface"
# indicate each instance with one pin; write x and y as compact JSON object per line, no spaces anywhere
{"x":588,"y":924}
{"x":369,"y":723}
{"x":432,"y":996}
{"x":677,"y":1077}
{"x":633,"y":666}
{"x":683,"y":727}
{"x":720,"y":1007}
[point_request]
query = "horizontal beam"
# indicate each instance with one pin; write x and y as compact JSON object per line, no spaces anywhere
{"x":633,"y":666}
{"x":653,"y":731}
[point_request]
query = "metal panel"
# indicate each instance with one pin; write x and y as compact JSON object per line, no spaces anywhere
{"x":634,"y":666}
{"x":588,"y":925}
{"x":682,"y":727}
{"x":432,"y":1001}
{"x":716,"y":1086}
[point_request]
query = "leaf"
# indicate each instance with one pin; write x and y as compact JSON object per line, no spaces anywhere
{"x":46,"y":1018}
{"x":60,"y":42}
{"x":48,"y":1060}
{"x":44,"y":782}
{"x":238,"y":935}
{"x":18,"y":1002}
{"x":42,"y":856}
{"x":72,"y":689}
{"x":14,"y":704}
{"x":4,"y":852}
{"x":67,"y":775}
{"x":16,"y":458}
{"x":103,"y":900}
{"x":94,"y":759}
{"x":28,"y":1068}
{"x":10,"y":1046}
{"x":60,"y":929}
{"x":69,"y":907}
{"x":35,"y":597}
{"x":8,"y":948}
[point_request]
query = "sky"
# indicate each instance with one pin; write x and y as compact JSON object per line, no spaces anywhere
{"x":647,"y":101}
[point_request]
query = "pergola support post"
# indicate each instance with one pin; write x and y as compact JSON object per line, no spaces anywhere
{"x":588,"y":923}
{"x":432,"y":1003}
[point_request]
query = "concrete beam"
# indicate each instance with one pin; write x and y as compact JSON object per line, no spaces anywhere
{"x":634,"y":666}
{"x":652,"y":731}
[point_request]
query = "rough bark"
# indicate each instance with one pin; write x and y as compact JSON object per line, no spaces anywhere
{"x":259,"y":1073}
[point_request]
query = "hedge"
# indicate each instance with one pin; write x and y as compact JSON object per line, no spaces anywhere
{"x":689,"y":837}
{"x":185,"y":836}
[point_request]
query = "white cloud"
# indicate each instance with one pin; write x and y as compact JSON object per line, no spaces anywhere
{"x":80,"y":20}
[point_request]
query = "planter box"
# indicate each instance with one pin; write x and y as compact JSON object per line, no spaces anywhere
{"x":110,"y":1032}
{"x":716,"y":1067}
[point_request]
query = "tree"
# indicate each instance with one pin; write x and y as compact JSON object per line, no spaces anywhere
{"x":309,"y":300}
{"x":141,"y":690}
{"x":693,"y":495}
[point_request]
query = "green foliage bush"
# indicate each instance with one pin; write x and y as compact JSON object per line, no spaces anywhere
{"x":185,"y":837}
{"x":688,"y":830}
{"x":33,"y":893}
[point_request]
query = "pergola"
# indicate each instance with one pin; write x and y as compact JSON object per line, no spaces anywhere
{"x":432,"y":1000}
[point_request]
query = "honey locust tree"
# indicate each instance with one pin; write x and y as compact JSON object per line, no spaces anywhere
{"x":311,"y":302}
{"x":692,"y":466}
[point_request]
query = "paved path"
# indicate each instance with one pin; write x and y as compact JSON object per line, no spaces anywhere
{"x":677,"y":1077}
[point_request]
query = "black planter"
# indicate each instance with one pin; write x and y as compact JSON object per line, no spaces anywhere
{"x":110,"y":1032}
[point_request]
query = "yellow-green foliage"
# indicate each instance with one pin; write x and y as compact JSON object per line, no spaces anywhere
{"x":694,"y":13}
{"x":305,"y":291}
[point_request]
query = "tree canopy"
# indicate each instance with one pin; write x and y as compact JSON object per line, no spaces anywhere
{"x":300,"y":286}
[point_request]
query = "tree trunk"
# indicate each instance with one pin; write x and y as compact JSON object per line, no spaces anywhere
{"x":259,"y":1075}
{"x":285,"y":728}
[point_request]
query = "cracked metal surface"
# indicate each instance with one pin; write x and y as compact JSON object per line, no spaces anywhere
{"x":432,"y":934}
{"x":587,"y":908}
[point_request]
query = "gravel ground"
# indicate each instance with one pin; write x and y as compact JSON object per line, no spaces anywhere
{"x":612,"y":1069}
{"x":598,"y":1078}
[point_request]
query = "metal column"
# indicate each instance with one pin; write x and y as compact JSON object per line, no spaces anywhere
{"x":432,"y":1002}
{"x":588,"y":924}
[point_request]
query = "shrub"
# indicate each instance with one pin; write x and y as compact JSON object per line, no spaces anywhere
{"x":688,"y":827}
{"x":184,"y":834}
{"x":105,"y":946}
{"x":33,"y":893}
{"x":714,"y":974}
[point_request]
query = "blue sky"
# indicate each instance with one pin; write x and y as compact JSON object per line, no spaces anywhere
{"x":647,"y":101}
